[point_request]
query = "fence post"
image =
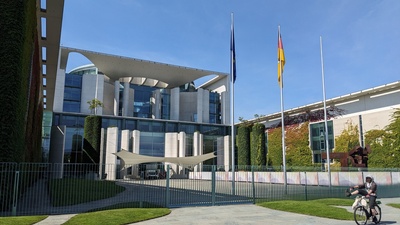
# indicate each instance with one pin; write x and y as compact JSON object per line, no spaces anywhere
{"x":167,"y":188}
{"x":253,"y":185}
{"x":305,"y":186}
{"x":15,"y":200}
{"x":213,"y":185}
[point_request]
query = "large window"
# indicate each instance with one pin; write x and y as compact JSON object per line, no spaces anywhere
{"x":215,"y":108}
{"x":142,"y":104}
{"x":152,"y":144}
{"x":72,"y":93}
{"x":318,"y":141}
{"x":165,"y":105}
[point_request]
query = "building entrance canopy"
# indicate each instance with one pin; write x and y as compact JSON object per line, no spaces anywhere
{"x":130,"y":158}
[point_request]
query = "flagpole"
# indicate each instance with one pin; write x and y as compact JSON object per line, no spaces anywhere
{"x":232,"y":106}
{"x":282,"y":118}
{"x":325,"y":117}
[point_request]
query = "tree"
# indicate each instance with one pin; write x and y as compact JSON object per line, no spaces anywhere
{"x":257,"y":146}
{"x":94,"y":104}
{"x":298,"y":152}
{"x":243,"y":143}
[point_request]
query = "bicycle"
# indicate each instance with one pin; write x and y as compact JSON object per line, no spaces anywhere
{"x":362,"y":212}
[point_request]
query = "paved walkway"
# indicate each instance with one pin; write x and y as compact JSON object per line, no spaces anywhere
{"x":245,"y":214}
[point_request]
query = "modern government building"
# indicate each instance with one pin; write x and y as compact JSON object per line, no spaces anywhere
{"x":154,"y":109}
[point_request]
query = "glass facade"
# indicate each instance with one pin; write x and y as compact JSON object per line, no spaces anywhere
{"x":317,"y":138}
{"x":152,"y":134}
{"x":152,"y":144}
{"x":142,"y":103}
{"x":215,"y":108}
{"x":165,"y":104}
{"x":72,"y":93}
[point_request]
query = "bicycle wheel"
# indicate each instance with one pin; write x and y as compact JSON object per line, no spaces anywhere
{"x":360,"y":215}
{"x":379,"y":215}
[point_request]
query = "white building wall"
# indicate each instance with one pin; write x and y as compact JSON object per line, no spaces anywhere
{"x":132,"y":100}
{"x":89,"y":92}
{"x":203,"y":106}
{"x":108,"y":98}
{"x":175,"y":103}
{"x":200,"y":106}
{"x":59,"y":91}
{"x":188,"y":103}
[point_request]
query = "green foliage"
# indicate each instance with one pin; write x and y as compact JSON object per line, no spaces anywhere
{"x":117,"y":216}
{"x":322,"y":208}
{"x":348,"y":139}
{"x":91,"y":142}
{"x":257,"y":146}
{"x":94,"y":103}
{"x":275,"y":147}
{"x":21,"y":220}
{"x":66,"y":191}
{"x":385,"y":144}
{"x":298,"y":152}
{"x":20,"y":86}
{"x":243,"y":144}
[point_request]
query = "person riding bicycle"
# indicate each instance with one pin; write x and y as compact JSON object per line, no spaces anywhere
{"x":367,"y":189}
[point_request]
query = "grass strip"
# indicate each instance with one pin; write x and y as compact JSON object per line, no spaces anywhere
{"x":117,"y":216}
{"x":394,"y":205}
{"x":321,"y":208}
{"x":21,"y":220}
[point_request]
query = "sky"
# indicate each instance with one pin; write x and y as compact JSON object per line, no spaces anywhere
{"x":360,"y":43}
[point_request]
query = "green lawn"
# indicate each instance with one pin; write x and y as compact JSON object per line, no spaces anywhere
{"x":394,"y":205}
{"x":321,"y":207}
{"x":69,"y":191}
{"x":117,"y":216}
{"x":21,"y":220}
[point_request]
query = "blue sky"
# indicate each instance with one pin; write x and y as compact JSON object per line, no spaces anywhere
{"x":361,"y":42}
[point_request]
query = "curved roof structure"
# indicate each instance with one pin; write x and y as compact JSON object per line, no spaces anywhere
{"x":138,"y":71}
{"x":129,"y":158}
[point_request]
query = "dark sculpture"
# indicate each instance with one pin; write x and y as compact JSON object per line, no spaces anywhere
{"x":358,"y":157}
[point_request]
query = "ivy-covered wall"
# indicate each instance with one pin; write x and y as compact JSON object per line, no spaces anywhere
{"x":91,"y":140}
{"x":21,"y":107}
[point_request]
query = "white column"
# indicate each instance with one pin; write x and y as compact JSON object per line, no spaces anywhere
{"x":197,"y":148}
{"x":116,"y":97}
{"x":227,"y":152}
{"x":175,"y":95}
{"x":111,"y":147}
{"x":125,"y":138}
{"x":181,"y":148}
{"x":171,"y":150}
{"x":59,"y":91}
{"x":125,"y":104}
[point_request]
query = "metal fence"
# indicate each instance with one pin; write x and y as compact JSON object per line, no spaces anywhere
{"x":45,"y":189}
